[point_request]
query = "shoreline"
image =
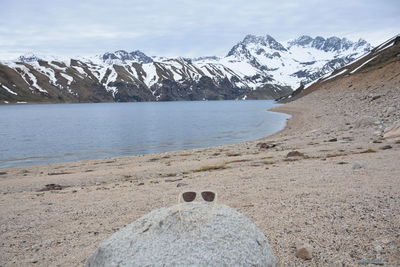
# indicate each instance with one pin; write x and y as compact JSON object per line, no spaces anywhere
{"x":105,"y":102}
{"x":295,"y":119}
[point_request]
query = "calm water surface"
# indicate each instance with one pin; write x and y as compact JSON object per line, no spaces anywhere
{"x":40,"y":134}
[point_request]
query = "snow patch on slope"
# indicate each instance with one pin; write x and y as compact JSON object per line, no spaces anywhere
{"x":68,"y":78}
{"x":337,"y":74}
{"x":8,"y":89}
{"x":25,"y":72}
{"x":362,"y":65}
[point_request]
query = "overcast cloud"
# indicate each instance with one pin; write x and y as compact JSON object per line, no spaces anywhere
{"x":182,"y":28}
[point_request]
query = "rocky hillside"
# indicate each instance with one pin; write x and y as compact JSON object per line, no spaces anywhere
{"x":255,"y":68}
{"x":117,"y":78}
{"x":379,"y":57}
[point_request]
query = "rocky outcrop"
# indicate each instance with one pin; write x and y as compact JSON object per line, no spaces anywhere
{"x":189,"y":234}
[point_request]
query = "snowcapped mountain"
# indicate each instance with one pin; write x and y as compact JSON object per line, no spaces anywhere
{"x":296,"y":62}
{"x":384,"y":54}
{"x":259,"y":67}
{"x":123,"y":57}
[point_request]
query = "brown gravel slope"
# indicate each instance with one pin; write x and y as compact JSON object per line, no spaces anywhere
{"x":342,"y":196}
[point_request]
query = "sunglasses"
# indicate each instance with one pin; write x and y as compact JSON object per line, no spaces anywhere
{"x":189,"y":196}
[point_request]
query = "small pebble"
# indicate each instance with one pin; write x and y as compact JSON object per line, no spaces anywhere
{"x":359,"y":165}
{"x":304,"y":251}
{"x":367,"y":262}
{"x":294,"y":154}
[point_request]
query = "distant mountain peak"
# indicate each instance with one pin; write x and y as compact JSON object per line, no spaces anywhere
{"x":302,"y":40}
{"x":273,"y":44}
{"x":250,"y":38}
{"x":332,"y":43}
{"x":206,"y":58}
{"x":335,"y":44}
{"x":264,"y":42}
{"x":121,"y":56}
{"x":29,"y":57}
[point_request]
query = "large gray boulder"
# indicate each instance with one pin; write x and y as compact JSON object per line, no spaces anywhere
{"x":188,"y":234}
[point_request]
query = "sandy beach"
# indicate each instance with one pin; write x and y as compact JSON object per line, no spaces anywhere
{"x":340,"y":194}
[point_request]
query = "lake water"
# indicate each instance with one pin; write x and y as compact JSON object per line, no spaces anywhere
{"x":40,"y":134}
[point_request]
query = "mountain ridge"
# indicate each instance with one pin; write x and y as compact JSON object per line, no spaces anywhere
{"x":258,"y":67}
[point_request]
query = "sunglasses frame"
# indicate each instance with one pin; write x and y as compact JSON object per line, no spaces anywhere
{"x":197,"y":193}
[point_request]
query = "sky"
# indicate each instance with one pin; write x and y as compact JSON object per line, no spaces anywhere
{"x":188,"y":28}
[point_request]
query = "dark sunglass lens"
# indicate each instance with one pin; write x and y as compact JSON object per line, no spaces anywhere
{"x":189,"y":196}
{"x":208,"y":196}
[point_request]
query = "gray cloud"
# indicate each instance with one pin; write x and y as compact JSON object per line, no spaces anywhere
{"x":179,"y":27}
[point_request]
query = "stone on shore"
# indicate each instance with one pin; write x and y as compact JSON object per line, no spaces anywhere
{"x":385,"y":147}
{"x":188,"y":234}
{"x":294,"y":154}
{"x":359,"y":165}
{"x":304,"y":251}
{"x":392,"y":132}
{"x":366,"y":121}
